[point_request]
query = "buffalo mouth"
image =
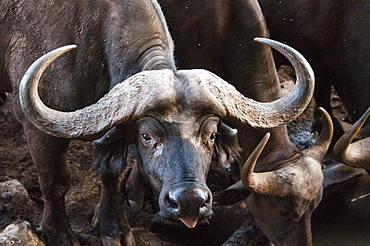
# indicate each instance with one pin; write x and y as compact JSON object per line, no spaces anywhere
{"x":159,"y":220}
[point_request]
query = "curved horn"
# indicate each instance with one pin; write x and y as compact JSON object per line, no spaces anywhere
{"x":321,"y":146}
{"x":278,"y":112}
{"x":256,"y":182}
{"x":355,"y":154}
{"x":93,"y":119}
{"x":123,"y":99}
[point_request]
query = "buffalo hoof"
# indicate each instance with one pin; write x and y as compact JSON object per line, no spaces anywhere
{"x":110,"y":241}
{"x":58,"y":238}
{"x":129,"y":240}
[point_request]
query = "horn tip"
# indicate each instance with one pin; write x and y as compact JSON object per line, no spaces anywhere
{"x":326,"y":117}
{"x":70,"y":47}
{"x":266,"y":138}
{"x":323,"y":111}
{"x":262,"y":40}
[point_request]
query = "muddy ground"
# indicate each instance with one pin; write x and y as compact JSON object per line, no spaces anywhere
{"x":15,"y":163}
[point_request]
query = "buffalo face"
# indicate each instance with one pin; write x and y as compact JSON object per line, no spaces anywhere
{"x":285,"y":218}
{"x":175,"y":158}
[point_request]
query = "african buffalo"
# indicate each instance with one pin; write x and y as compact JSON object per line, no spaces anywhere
{"x":283,"y":200}
{"x":283,"y":197}
{"x":121,"y":86}
{"x":217,"y":36}
{"x":333,"y":36}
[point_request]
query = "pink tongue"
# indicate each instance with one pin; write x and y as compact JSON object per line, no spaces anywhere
{"x":190,"y":222}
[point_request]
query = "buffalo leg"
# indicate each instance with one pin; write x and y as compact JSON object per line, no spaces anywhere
{"x":113,"y":221}
{"x":111,"y":162}
{"x":135,"y":188}
{"x":49,"y":155}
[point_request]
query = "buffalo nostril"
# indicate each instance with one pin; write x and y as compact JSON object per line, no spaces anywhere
{"x":206,"y":202}
{"x":171,"y":202}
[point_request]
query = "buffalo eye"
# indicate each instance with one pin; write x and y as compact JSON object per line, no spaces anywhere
{"x":213,"y":136}
{"x":146,"y":137}
{"x":284,"y":212}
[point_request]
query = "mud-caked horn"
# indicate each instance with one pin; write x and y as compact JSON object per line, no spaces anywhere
{"x":278,"y":112}
{"x":230,"y":102}
{"x":126,"y":101}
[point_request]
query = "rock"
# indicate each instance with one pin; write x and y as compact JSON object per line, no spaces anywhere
{"x":15,"y":202}
{"x":20,"y":234}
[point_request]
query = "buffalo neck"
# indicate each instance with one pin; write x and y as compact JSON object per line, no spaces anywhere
{"x":142,"y":37}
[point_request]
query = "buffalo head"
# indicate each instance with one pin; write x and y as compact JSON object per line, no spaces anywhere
{"x":282,"y":200}
{"x":175,"y":120}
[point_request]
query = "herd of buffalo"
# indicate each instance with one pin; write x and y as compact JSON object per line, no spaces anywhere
{"x":184,"y":87}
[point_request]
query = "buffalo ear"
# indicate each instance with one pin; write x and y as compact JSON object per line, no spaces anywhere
{"x":136,"y":188}
{"x":233,"y":194}
{"x":227,"y":147}
{"x":111,"y":149}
